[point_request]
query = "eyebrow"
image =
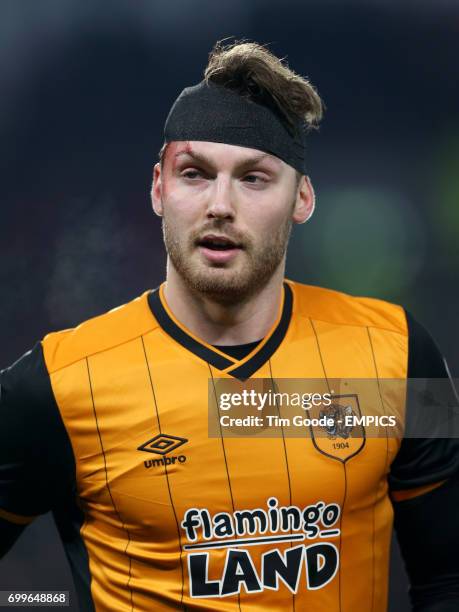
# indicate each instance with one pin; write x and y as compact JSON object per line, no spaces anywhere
{"x":203,"y":159}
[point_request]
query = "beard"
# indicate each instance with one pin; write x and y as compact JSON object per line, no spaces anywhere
{"x":221,"y":284}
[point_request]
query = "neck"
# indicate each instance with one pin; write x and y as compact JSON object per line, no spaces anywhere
{"x":232,"y":324}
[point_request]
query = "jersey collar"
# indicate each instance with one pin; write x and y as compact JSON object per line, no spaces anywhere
{"x":241,"y":369}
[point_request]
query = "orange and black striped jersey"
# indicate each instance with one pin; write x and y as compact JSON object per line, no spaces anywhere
{"x":156,"y":514}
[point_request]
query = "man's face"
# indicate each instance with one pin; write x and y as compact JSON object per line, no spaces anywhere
{"x":227,"y":213}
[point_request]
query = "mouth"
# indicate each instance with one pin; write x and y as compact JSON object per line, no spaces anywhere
{"x":218,"y":250}
{"x":218,"y":243}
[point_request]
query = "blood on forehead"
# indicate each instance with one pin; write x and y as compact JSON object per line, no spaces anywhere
{"x":171,"y":151}
{"x":169,"y":161}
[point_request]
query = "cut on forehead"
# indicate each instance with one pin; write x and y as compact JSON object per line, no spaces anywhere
{"x":209,"y":151}
{"x":178,"y":148}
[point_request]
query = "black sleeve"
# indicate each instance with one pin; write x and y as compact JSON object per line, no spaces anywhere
{"x":421,"y":461}
{"x":427,"y":530}
{"x":36,"y":460}
{"x":427,"y":526}
{"x":9,"y":533}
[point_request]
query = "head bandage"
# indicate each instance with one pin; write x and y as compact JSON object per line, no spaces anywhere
{"x":213,"y":113}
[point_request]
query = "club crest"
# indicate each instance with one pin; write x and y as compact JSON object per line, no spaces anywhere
{"x":337,"y":425}
{"x":341,"y":433}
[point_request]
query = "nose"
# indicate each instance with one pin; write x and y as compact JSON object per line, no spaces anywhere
{"x":221,"y":200}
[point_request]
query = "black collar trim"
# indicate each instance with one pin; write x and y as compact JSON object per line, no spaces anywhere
{"x":248,"y":368}
{"x":243,"y":371}
{"x":171,"y":328}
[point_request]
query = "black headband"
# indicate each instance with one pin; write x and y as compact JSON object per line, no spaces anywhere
{"x":213,"y":113}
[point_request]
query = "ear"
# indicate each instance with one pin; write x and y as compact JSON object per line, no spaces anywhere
{"x":305,"y":201}
{"x":156,"y":189}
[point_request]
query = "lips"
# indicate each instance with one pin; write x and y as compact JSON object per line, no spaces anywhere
{"x":218,"y":250}
{"x":218,"y":243}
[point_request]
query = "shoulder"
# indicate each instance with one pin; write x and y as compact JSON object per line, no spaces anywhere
{"x":23,"y":382}
{"x":340,"y":308}
{"x":31,"y":434}
{"x":101,"y":333}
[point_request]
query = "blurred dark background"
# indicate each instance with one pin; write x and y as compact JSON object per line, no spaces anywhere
{"x":85,"y":89}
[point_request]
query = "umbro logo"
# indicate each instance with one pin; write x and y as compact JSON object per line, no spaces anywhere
{"x":161,"y":445}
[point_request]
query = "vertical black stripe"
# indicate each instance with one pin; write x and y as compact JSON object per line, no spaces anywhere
{"x":286,"y":462}
{"x":108,"y":486}
{"x":320,"y":352}
{"x":341,"y":532}
{"x":385,"y":469}
{"x":343,"y":463}
{"x":225,"y":459}
{"x":329,"y":390}
{"x":165,"y":469}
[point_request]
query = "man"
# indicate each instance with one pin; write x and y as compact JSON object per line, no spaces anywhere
{"x":155,"y":511}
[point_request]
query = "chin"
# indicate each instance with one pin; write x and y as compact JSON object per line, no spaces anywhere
{"x":224,"y":286}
